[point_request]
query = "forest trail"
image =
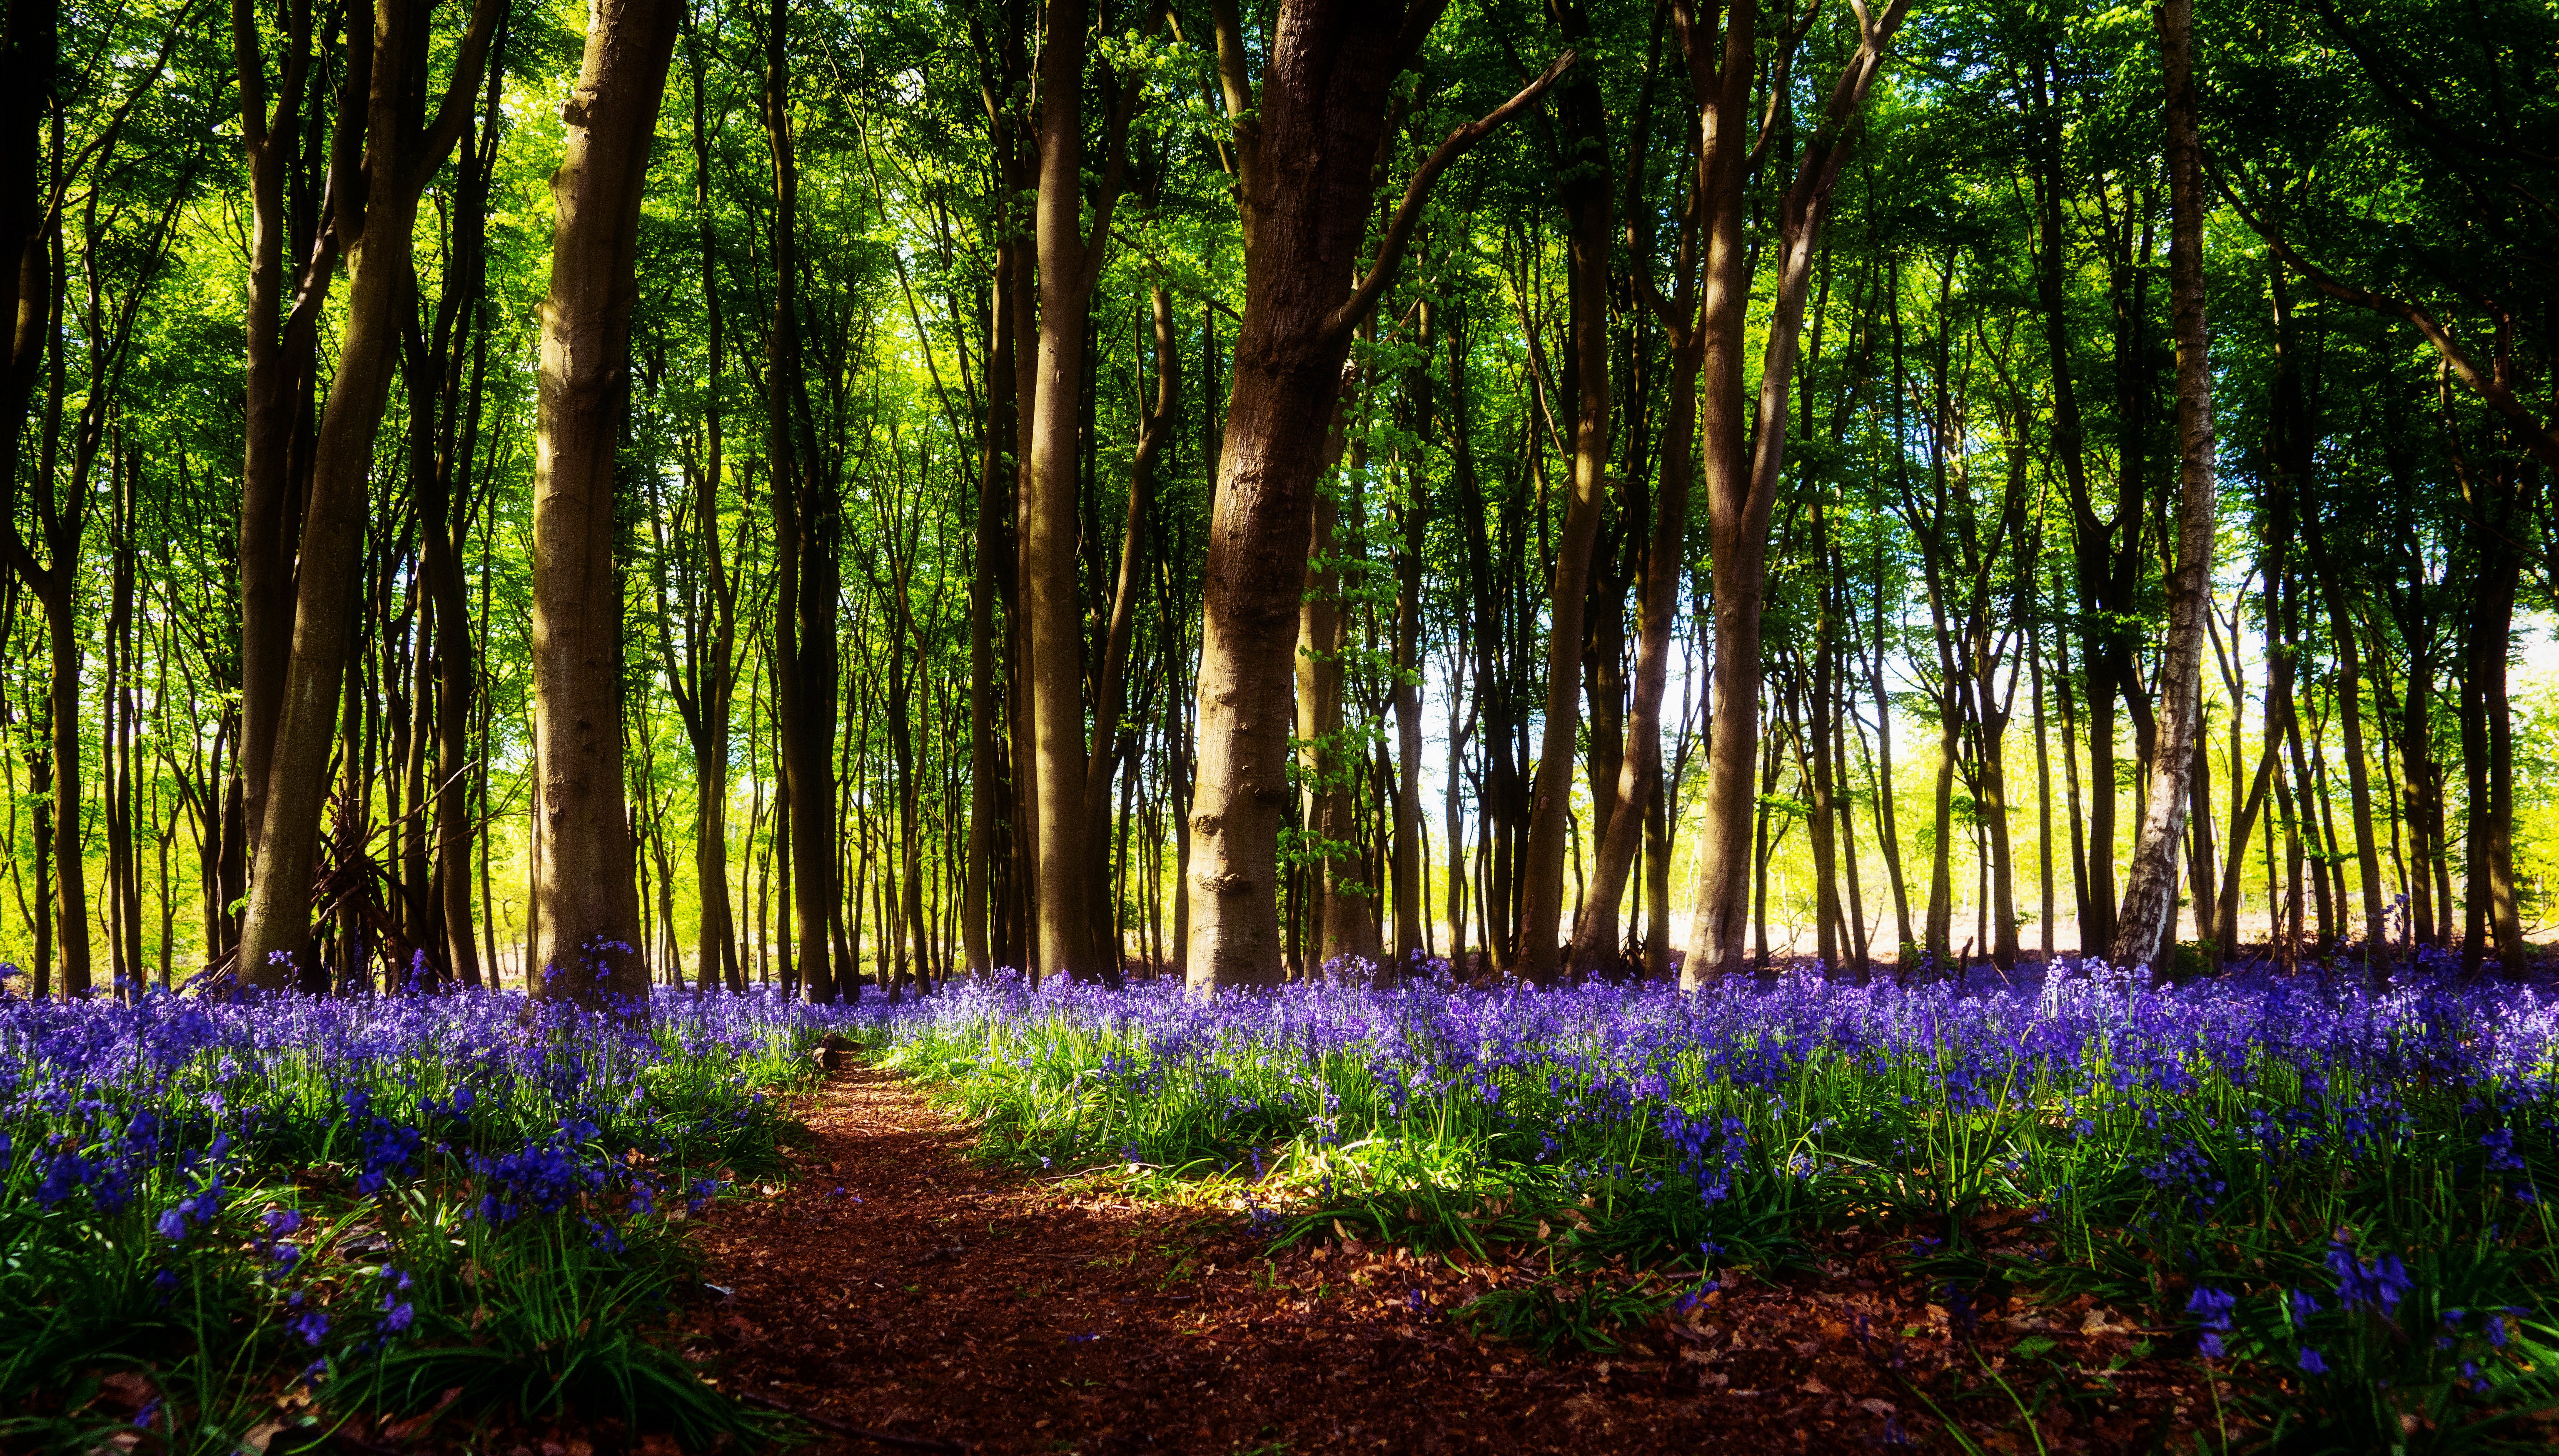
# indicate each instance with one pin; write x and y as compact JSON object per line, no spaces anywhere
{"x":900,"y":1288}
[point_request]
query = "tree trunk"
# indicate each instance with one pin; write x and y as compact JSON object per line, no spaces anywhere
{"x":1739,"y":498}
{"x":584,"y":878}
{"x":374,"y":224}
{"x":2150,"y":885}
{"x":1410,"y":913}
{"x":1307,"y":183}
{"x":1583,"y":170}
{"x":1110,"y":696}
{"x":1640,"y":777}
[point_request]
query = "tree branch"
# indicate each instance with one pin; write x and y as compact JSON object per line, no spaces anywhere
{"x":2536,"y":435}
{"x":1407,"y":214}
{"x":461,"y":94}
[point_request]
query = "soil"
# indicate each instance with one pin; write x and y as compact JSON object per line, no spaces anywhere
{"x":903,"y":1296}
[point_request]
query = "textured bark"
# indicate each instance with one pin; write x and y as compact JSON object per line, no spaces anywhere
{"x":2151,"y":882}
{"x":374,"y":225}
{"x":584,"y":877}
{"x":1307,"y":151}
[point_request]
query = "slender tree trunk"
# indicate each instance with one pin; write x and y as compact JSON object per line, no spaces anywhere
{"x":376,"y":224}
{"x":2150,"y":888}
{"x":281,"y":350}
{"x":1741,"y":498}
{"x":1112,"y":693}
{"x":1411,"y":912}
{"x":999,"y":467}
{"x":1640,"y":777}
{"x":1583,"y":172}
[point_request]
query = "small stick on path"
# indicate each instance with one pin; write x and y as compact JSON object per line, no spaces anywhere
{"x":866,"y":1433}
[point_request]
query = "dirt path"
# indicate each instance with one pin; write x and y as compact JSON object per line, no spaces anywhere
{"x":900,"y":1288}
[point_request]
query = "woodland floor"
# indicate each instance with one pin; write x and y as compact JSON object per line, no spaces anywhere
{"x":904,"y":1296}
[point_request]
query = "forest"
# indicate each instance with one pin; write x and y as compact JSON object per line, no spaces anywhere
{"x":1658,"y":554}
{"x":1266,"y":725}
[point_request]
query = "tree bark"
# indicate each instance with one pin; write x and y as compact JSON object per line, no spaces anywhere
{"x":1305,"y":181}
{"x":584,"y":877}
{"x":2151,"y":882}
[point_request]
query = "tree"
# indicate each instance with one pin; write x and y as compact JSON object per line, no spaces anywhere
{"x":372,"y":223}
{"x":1305,"y":152}
{"x":589,"y":904}
{"x":2151,"y":883}
{"x":1740,"y":496}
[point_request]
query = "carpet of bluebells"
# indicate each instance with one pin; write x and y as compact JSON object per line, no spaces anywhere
{"x":2330,"y":1186}
{"x":231,"y":1223}
{"x":254,"y":1222}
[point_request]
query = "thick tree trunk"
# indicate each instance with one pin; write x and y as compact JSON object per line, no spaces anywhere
{"x":584,"y":877}
{"x":1308,"y":151}
{"x":2150,"y":886}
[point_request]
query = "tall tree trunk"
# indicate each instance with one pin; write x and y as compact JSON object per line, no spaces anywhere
{"x":990,"y":583}
{"x":712,"y":662}
{"x":2150,"y":884}
{"x":1640,"y":777}
{"x":1740,"y":496}
{"x":584,"y":878}
{"x":1410,"y":913}
{"x":1583,"y":170}
{"x":281,"y":350}
{"x":808,"y":520}
{"x":1068,"y":942}
{"x":1111,"y":695}
{"x":1308,"y":153}
{"x":374,"y":224}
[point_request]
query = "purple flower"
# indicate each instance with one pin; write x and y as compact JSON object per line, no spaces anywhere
{"x":2311,"y":1362}
{"x":2213,"y":1306}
